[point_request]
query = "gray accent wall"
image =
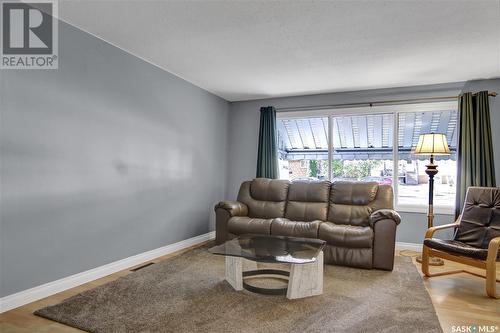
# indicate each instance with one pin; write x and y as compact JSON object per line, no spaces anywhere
{"x":104,"y":158}
{"x":244,"y":130}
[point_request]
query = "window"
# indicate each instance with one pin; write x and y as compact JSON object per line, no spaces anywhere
{"x":362,"y":144}
{"x":413,"y":182}
{"x":362,"y":148}
{"x":303,"y":148}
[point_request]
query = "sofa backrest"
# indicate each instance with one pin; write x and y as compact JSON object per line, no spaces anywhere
{"x":339,"y":202}
{"x":307,"y":201}
{"x":353,"y":202}
{"x":265,"y":198}
{"x":480,"y":217}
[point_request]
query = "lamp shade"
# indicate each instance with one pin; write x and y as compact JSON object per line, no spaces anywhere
{"x":432,"y":144}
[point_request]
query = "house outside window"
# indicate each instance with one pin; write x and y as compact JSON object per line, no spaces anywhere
{"x":362,"y":144}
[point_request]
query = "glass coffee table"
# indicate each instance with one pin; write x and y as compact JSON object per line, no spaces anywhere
{"x":304,"y":255}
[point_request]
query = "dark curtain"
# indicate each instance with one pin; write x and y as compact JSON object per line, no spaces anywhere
{"x":475,"y":147}
{"x":267,"y":158}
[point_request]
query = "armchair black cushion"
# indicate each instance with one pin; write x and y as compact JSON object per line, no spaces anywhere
{"x":458,"y":248}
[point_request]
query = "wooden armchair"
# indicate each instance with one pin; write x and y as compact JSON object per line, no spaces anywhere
{"x":477,"y":237}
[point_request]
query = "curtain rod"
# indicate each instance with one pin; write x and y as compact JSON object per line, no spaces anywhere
{"x":395,"y":101}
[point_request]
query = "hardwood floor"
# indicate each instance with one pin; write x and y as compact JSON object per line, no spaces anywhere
{"x":460,"y":300}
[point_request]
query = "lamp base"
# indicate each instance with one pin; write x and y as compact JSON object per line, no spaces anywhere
{"x":433,"y":261}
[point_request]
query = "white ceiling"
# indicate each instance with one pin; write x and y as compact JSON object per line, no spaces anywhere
{"x":243,"y":50}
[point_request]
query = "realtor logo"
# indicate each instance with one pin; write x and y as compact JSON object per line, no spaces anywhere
{"x":29,"y":34}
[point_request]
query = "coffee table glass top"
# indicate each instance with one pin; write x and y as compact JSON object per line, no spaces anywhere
{"x":271,"y":249}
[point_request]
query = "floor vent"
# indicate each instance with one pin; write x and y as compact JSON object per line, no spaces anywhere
{"x":141,"y":267}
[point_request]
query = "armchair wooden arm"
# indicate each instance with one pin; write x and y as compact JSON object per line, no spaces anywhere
{"x":491,"y":260}
{"x":493,"y":247}
{"x":430,"y":232}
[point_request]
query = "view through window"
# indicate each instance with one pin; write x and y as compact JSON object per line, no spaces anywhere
{"x":362,"y":149}
{"x":303,"y":148}
{"x":413,"y":182}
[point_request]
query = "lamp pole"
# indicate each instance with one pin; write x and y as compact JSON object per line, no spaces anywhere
{"x":432,"y":144}
{"x":431,"y":171}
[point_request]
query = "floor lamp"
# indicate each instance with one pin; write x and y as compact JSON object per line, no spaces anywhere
{"x":432,"y":144}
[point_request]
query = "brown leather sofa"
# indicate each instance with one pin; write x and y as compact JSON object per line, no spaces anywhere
{"x":355,"y":219}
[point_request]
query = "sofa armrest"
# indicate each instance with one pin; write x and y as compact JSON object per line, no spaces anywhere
{"x":384,"y":223}
{"x":224,"y":210}
{"x":384,"y":214}
{"x":234,"y":208}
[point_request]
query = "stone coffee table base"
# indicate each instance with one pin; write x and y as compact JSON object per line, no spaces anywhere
{"x":304,"y":280}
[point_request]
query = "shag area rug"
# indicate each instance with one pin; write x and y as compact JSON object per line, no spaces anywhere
{"x":188,"y":294}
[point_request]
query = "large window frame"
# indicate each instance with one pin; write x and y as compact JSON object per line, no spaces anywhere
{"x":395,"y":110}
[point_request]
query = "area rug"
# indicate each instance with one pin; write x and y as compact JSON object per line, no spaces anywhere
{"x":188,"y":294}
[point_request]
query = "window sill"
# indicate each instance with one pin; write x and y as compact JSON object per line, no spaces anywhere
{"x":438,"y":210}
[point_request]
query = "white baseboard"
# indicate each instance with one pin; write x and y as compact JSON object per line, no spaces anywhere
{"x":409,"y":246}
{"x":33,"y":294}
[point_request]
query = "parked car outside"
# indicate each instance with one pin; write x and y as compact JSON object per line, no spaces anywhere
{"x":379,"y":180}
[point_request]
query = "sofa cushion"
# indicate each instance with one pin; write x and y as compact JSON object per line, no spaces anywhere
{"x":265,"y":189}
{"x":309,"y":191}
{"x":307,"y":201}
{"x":261,"y":208}
{"x":285,"y":227}
{"x":349,"y":202}
{"x":239,"y":225}
{"x":353,"y":202}
{"x":353,"y":193}
{"x":384,"y":198}
{"x":350,"y":214}
{"x":306,"y":211}
{"x":348,"y":236}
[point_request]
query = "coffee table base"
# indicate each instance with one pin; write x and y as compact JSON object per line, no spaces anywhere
{"x":274,"y":273}
{"x":304,"y":280}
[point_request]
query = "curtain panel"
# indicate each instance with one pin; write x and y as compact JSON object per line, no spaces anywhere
{"x":267,"y":156}
{"x":475,"y":146}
